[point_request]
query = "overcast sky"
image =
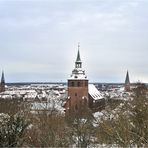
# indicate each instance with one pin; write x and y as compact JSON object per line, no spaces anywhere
{"x":39,"y":38}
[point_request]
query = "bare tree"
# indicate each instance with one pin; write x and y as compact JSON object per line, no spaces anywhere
{"x":12,"y":129}
{"x":81,"y":126}
{"x":127,"y":125}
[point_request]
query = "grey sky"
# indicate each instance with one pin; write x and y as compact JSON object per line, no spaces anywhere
{"x":38,"y":39}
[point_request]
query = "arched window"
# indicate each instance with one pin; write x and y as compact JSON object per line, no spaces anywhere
{"x":78,"y":84}
{"x":86,"y":83}
{"x":72,"y":84}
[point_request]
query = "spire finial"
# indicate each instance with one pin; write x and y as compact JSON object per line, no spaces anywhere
{"x":78,"y":45}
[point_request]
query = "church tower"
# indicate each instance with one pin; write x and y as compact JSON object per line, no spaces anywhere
{"x":127,"y":83}
{"x":2,"y":85}
{"x":77,"y":87}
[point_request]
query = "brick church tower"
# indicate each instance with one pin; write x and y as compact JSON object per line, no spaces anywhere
{"x":77,"y":87}
{"x":2,"y":85}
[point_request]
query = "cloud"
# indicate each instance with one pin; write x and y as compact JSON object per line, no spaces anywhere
{"x":42,"y":35}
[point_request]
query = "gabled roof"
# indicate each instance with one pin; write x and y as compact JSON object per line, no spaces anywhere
{"x":94,"y":93}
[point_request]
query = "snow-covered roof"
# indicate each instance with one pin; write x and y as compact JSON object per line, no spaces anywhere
{"x":78,"y":74}
{"x":94,"y":93}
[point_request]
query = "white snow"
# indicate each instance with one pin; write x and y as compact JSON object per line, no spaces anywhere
{"x":78,"y":74}
{"x":94,"y":93}
{"x":49,"y":96}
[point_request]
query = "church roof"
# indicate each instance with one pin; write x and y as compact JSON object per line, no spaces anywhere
{"x":94,"y":93}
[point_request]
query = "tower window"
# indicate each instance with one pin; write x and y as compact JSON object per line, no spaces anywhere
{"x":72,"y":84}
{"x":86,"y":83}
{"x":78,"y":84}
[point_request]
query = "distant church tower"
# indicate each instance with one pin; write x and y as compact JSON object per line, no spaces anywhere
{"x":2,"y":85}
{"x":127,"y":83}
{"x":77,"y":87}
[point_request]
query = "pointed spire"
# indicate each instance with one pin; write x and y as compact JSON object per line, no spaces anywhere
{"x":127,"y":81}
{"x":78,"y":55}
{"x":2,"y":85}
{"x":78,"y":63}
{"x":2,"y":78}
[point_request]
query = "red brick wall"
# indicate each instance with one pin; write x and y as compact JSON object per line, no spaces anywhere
{"x":77,"y":90}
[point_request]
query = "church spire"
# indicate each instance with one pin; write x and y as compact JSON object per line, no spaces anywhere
{"x":78,"y":54}
{"x":127,"y":81}
{"x":78,"y":72}
{"x":78,"y":63}
{"x":2,"y":85}
{"x":2,"y":78}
